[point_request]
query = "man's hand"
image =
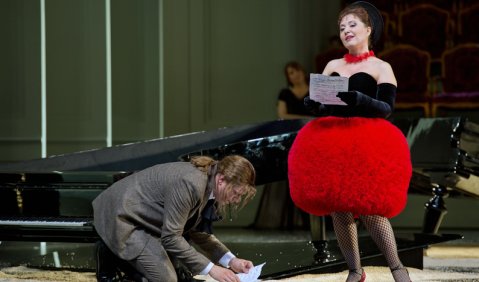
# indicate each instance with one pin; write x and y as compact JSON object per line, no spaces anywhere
{"x":241,"y":265}
{"x":222,"y":274}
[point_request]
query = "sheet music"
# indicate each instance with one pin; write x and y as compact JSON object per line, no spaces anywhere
{"x":324,"y":88}
{"x":252,"y":275}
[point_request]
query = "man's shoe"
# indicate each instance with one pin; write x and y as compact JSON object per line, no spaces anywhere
{"x":105,"y":266}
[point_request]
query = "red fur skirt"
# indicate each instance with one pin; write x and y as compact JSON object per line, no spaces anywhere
{"x":357,"y":165}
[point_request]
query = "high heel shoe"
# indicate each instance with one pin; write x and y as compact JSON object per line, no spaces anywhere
{"x":399,"y":268}
{"x":362,"y":273}
{"x":363,"y":276}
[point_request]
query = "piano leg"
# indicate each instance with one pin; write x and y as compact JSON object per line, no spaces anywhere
{"x":435,"y":210}
{"x":319,"y":238}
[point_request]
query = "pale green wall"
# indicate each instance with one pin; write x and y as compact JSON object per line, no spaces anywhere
{"x":224,"y":59}
{"x":222,"y":66}
{"x":76,"y":77}
{"x":20,"y":127}
{"x":135,"y":70}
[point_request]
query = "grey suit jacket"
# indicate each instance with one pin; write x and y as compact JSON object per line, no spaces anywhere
{"x":157,"y":203}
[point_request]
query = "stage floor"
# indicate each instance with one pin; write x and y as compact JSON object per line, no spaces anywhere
{"x":286,"y":253}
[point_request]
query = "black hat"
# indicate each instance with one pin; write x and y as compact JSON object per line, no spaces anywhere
{"x":375,"y":18}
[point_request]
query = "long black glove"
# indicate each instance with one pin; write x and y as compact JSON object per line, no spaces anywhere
{"x":315,"y":108}
{"x":366,"y":106}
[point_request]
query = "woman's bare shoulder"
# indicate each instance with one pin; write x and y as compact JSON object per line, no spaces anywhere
{"x":386,"y":73}
{"x":381,"y":64}
{"x":332,"y":66}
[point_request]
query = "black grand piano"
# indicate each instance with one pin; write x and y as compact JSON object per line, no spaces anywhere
{"x":445,"y":157}
{"x":49,"y":199}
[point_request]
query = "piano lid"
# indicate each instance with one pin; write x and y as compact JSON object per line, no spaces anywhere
{"x":269,"y":155}
{"x":445,"y":151}
{"x":431,"y":142}
{"x":140,"y":155}
{"x":57,"y":177}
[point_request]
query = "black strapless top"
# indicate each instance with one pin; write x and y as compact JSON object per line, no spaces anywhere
{"x":362,"y":82}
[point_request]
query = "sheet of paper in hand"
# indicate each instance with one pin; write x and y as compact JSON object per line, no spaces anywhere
{"x":252,"y":275}
{"x":324,"y":88}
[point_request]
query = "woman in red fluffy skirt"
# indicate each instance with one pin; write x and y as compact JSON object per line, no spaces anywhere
{"x":351,"y":162}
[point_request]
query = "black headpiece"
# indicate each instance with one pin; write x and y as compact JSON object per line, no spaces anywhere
{"x":375,"y":18}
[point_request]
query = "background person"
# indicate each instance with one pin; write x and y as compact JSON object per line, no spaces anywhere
{"x":276,"y":209}
{"x":290,"y":99}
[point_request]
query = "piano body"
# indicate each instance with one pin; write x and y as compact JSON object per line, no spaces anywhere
{"x":445,"y":158}
{"x":50,"y":206}
{"x":444,"y":154}
{"x":50,"y":199}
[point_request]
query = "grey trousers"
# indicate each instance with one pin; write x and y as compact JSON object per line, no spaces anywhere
{"x":154,"y":264}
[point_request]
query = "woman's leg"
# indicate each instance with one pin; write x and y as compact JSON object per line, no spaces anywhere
{"x":347,"y":236}
{"x":382,"y":233}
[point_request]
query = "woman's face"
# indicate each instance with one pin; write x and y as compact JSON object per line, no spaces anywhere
{"x":353,"y":32}
{"x":295,"y":76}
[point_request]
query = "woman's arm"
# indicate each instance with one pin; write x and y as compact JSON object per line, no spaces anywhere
{"x":369,"y":107}
{"x":386,"y":74}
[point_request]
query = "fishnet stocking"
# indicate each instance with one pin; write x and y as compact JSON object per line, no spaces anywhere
{"x":347,"y":236}
{"x":382,"y":233}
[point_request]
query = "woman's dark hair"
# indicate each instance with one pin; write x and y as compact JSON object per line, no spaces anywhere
{"x":296,"y":66}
